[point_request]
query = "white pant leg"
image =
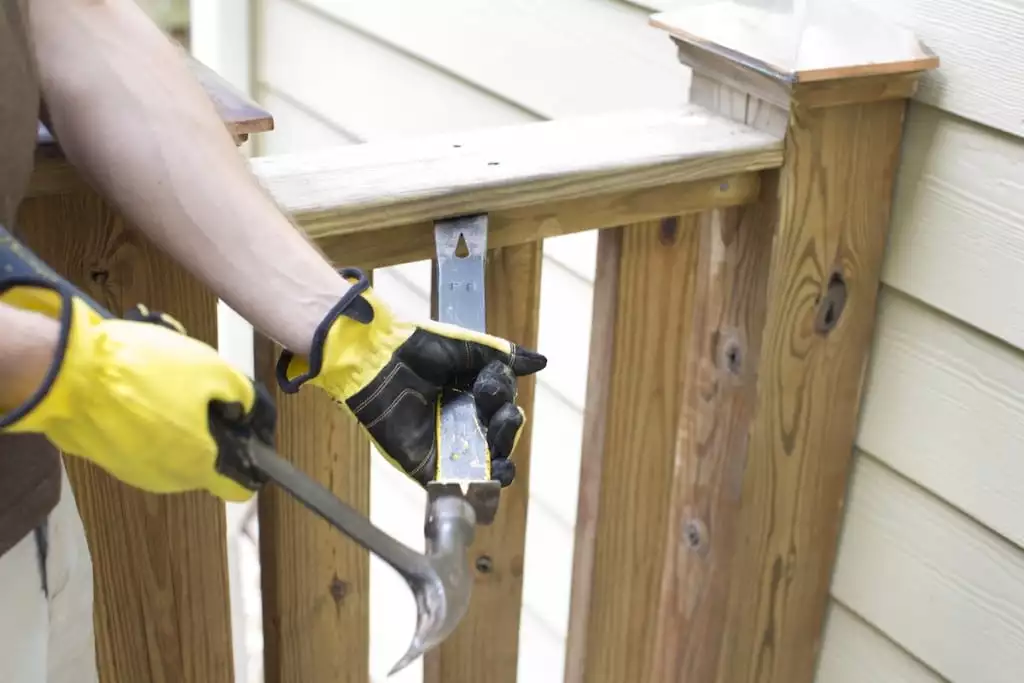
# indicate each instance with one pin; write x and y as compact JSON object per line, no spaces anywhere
{"x":71,"y":657}
{"x":24,"y":620}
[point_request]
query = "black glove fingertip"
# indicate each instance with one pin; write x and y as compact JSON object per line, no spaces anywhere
{"x":526,"y":362}
{"x":502,"y":430}
{"x":504,"y":471}
{"x":494,"y":387}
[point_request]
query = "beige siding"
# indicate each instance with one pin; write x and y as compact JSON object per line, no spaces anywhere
{"x":855,"y":652}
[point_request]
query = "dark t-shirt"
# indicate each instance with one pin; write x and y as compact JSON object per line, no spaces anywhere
{"x":29,"y":464}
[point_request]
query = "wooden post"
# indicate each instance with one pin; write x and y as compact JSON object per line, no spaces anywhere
{"x":485,"y":647}
{"x":160,"y":569}
{"x":712,"y":498}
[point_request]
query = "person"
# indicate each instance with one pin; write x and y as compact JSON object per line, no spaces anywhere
{"x":132,"y":394}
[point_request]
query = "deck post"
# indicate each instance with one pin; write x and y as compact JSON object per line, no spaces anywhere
{"x":160,"y":574}
{"x":712,"y":499}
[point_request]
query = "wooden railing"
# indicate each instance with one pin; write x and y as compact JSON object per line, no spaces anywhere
{"x":741,"y":240}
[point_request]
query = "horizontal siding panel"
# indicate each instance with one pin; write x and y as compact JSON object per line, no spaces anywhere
{"x":945,"y":407}
{"x":957,"y":239}
{"x":557,"y":59}
{"x":943,"y":587}
{"x":980,"y":49}
{"x":367,"y":88}
{"x":295,"y":129}
{"x":854,"y":652}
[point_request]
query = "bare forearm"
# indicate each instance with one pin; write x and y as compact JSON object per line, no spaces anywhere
{"x":27,"y":345}
{"x":129,"y":114}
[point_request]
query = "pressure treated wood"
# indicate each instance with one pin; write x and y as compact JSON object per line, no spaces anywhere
{"x":712,"y":437}
{"x":835,"y":202}
{"x":484,"y":647}
{"x":380,"y":185}
{"x":315,"y":580}
{"x":631,"y":432}
{"x":160,"y":562}
{"x":594,"y":441}
{"x":415,"y":241}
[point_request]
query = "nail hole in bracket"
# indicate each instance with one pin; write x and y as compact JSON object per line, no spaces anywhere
{"x":831,"y":306}
{"x":461,"y":249}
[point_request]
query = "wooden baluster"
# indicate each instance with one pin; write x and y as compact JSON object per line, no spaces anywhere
{"x":159,"y":561}
{"x":644,"y":309}
{"x":485,"y":647}
{"x":316,"y":581}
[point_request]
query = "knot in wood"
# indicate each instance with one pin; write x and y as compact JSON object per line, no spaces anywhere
{"x":338,"y":590}
{"x":695,"y":535}
{"x":730,"y":354}
{"x":831,"y":305}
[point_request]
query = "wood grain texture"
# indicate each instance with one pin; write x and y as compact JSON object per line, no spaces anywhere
{"x":315,"y":580}
{"x":385,"y":184}
{"x":160,"y":562}
{"x":414,"y":241}
{"x":835,"y":199}
{"x":639,"y":363}
{"x":943,"y":587}
{"x":711,"y":441}
{"x":484,"y":647}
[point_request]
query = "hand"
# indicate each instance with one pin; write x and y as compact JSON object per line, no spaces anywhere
{"x":390,"y":374}
{"x":131,"y":396}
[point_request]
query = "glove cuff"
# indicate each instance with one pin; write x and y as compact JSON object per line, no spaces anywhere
{"x":59,"y":307}
{"x":354,"y":305}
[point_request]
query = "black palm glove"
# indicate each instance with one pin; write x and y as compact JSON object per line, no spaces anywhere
{"x":390,"y":374}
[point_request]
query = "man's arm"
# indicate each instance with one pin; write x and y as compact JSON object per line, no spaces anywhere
{"x":132,"y":118}
{"x":27,"y":346}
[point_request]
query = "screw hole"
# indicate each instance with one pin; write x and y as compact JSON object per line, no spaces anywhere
{"x":492,"y":163}
{"x":484,"y":564}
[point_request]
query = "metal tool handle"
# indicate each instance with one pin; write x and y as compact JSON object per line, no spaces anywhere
{"x":464,"y":458}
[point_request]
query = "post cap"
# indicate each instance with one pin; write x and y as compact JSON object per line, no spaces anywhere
{"x":798,"y":41}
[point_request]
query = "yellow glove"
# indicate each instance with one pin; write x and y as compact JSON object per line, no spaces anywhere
{"x":131,"y":396}
{"x":390,"y":375}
